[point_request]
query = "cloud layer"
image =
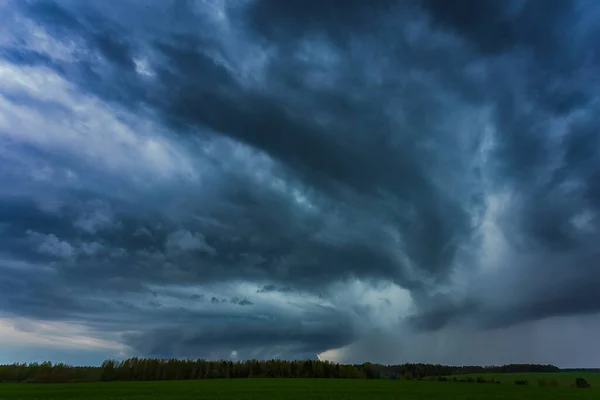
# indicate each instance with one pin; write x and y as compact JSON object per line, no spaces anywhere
{"x":282,"y":179}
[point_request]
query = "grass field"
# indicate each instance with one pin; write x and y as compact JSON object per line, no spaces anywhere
{"x":248,"y":389}
{"x":563,"y":378}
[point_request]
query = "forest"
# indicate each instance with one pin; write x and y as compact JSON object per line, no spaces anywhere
{"x":151,"y":369}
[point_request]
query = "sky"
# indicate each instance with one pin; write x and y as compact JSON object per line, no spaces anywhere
{"x":384,"y":181}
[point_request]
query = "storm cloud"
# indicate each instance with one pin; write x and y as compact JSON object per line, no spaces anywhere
{"x":259,"y":178}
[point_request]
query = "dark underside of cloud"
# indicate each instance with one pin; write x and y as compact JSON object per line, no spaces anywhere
{"x":274,"y":178}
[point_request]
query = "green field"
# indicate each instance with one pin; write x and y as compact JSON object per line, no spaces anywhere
{"x":248,"y":389}
{"x":563,"y":378}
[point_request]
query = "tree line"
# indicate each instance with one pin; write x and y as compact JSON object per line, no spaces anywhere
{"x":150,"y":369}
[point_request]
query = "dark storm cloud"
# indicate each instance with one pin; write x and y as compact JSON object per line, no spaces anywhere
{"x":289,"y":146}
{"x":282,"y":22}
{"x":253,"y":336}
{"x":541,"y":287}
{"x":502,"y":26}
{"x":272,"y":288}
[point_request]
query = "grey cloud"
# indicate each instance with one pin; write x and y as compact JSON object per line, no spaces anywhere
{"x":522,"y":343}
{"x":186,"y":241}
{"x":96,"y":215}
{"x":273,"y":288}
{"x":34,"y":290}
{"x":285,"y":21}
{"x":250,"y":337}
{"x":450,"y":150}
{"x":154,"y":304}
{"x":504,"y":26}
{"x":91,"y":248}
{"x":142,"y":231}
{"x":50,"y":244}
{"x":240,"y":301}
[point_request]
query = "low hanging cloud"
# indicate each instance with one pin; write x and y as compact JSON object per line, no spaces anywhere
{"x":417,"y":176}
{"x":186,"y":241}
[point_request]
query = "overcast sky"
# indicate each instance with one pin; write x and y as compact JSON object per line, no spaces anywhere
{"x":385,"y":181}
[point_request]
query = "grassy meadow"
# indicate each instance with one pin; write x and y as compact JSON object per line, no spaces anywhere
{"x":541,"y":378}
{"x":248,"y":389}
